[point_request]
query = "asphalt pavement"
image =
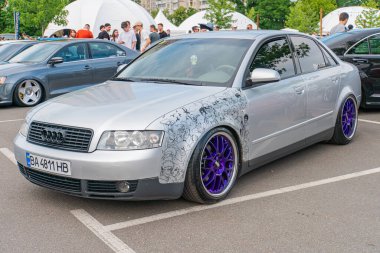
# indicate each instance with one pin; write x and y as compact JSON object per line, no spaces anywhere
{"x":321,"y":199}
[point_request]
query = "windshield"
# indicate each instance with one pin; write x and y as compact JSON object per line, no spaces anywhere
{"x":211,"y":62}
{"x":36,"y":53}
{"x":8,"y":50}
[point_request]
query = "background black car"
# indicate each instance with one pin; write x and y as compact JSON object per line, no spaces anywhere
{"x":361,"y":48}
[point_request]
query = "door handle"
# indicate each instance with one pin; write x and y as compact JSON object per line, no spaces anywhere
{"x":87,"y":67}
{"x":299,"y":90}
{"x":360,"y":60}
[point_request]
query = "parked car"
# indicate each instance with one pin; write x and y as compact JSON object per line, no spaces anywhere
{"x":361,"y":48}
{"x":190,"y":116}
{"x":49,"y":69}
{"x":9,"y":49}
{"x":8,"y":36}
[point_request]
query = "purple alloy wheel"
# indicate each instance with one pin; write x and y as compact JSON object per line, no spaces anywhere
{"x":349,"y":115}
{"x":218,"y":164}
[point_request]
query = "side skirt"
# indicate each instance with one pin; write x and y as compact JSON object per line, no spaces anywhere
{"x":268,"y":158}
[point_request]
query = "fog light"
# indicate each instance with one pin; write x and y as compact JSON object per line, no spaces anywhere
{"x":122,"y":186}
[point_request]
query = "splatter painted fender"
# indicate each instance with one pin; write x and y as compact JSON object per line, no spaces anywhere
{"x":185,"y":126}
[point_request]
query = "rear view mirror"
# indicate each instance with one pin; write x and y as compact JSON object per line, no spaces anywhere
{"x":260,"y":75}
{"x":55,"y":60}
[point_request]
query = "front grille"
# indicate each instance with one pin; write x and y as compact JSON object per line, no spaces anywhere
{"x":76,"y":139}
{"x":108,"y":186}
{"x":52,"y":181}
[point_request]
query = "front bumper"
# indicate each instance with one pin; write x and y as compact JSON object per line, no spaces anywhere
{"x":94,"y":175}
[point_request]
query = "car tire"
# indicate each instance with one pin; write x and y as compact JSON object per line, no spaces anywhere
{"x":28,"y":93}
{"x":347,"y":122}
{"x":213,"y":167}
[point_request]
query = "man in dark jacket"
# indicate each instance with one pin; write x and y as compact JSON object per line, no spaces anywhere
{"x":161,"y":31}
{"x":104,"y":34}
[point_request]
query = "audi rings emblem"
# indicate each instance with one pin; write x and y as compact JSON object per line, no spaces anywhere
{"x":53,"y":136}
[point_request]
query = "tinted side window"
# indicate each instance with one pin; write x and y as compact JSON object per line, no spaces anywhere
{"x":275,"y":55}
{"x":361,"y":48}
{"x":329,"y":59}
{"x":374,"y":44}
{"x":309,"y":54}
{"x":104,"y":50}
{"x":74,"y":52}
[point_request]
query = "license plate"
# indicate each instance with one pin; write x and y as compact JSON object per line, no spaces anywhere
{"x":48,"y":164}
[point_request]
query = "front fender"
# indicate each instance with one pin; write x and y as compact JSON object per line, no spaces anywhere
{"x":185,"y":127}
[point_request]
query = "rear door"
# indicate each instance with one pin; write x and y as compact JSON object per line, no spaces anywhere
{"x":276,"y":111}
{"x":366,"y":56}
{"x":75,"y":71}
{"x":106,"y":58}
{"x":322,"y":80}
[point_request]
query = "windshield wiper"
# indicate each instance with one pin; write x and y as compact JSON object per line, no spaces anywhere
{"x":158,"y":80}
{"x":123,"y":79}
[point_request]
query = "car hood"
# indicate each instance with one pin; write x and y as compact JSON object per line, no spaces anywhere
{"x":7,"y":69}
{"x":116,"y":105}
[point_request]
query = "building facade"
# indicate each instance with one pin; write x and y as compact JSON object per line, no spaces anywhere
{"x":172,"y":5}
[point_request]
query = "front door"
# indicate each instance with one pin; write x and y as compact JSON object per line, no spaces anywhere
{"x":277,"y":110}
{"x":75,"y":71}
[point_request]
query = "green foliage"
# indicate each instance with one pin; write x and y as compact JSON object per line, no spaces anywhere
{"x":345,"y":3}
{"x":154,"y":13}
{"x":251,"y":14}
{"x":180,"y":14}
{"x":304,"y":15}
{"x":35,"y":15}
{"x":272,"y":13}
{"x":220,"y":12}
{"x":369,"y":18}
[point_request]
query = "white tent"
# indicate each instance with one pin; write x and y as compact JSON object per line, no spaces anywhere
{"x":98,"y":12}
{"x":239,"y":20}
{"x":332,"y":19}
{"x":161,"y":18}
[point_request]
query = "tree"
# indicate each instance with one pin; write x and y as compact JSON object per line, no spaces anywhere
{"x":304,"y":15}
{"x":272,"y":13}
{"x":369,"y":18}
{"x":180,"y":14}
{"x":345,"y":3}
{"x":154,"y":13}
{"x":37,"y":14}
{"x":220,"y":12}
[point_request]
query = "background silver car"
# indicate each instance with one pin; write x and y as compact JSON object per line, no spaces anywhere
{"x":190,"y":116}
{"x":48,"y":69}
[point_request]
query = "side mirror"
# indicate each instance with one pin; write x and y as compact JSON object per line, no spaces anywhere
{"x":121,"y":67}
{"x":55,"y":60}
{"x":260,"y":75}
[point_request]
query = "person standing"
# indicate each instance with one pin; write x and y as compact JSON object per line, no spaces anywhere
{"x":195,"y":29}
{"x":138,"y":38}
{"x":85,"y":33}
{"x":145,"y":41}
{"x":341,"y":27}
{"x":249,"y":27}
{"x":161,"y":31}
{"x":127,"y":37}
{"x":73,"y":34}
{"x":168,"y":32}
{"x":115,"y":35}
{"x":104,"y":35}
{"x":153,"y":36}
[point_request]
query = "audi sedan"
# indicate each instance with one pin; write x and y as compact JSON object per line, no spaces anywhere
{"x":49,"y":69}
{"x":190,"y":116}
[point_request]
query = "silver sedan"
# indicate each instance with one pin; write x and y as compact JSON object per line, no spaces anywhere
{"x":190,"y":116}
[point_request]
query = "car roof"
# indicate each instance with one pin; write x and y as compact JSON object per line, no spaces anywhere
{"x":240,"y":34}
{"x":70,"y":41}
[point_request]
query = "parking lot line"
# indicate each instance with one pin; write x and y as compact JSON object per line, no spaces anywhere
{"x":97,"y":228}
{"x":157,"y":217}
{"x":369,"y":121}
{"x":8,"y":154}
{"x":10,"y":120}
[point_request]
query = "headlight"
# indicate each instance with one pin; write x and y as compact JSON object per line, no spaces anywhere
{"x":24,"y":129}
{"x":2,"y":79}
{"x":130,"y":140}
